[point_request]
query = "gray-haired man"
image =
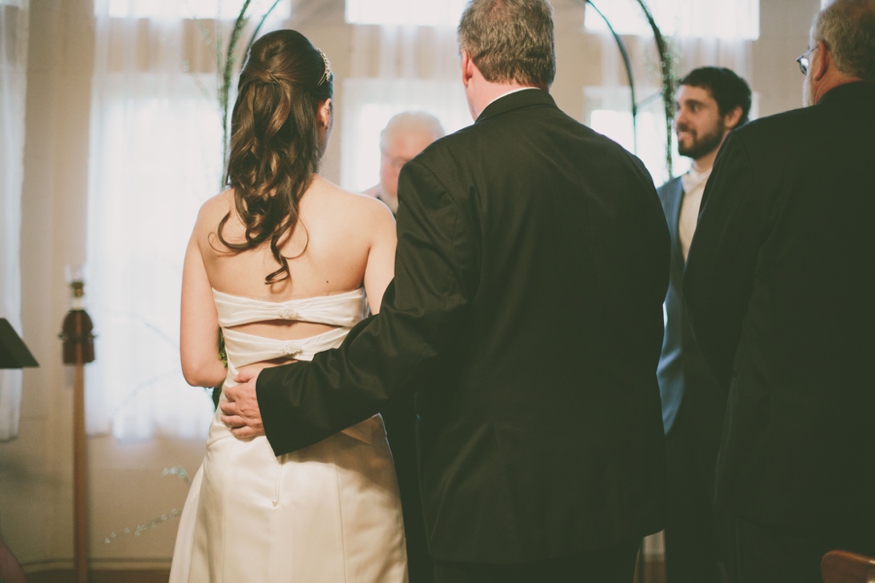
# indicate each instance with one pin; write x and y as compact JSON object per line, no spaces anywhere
{"x":526,"y":313}
{"x":780,"y":291}
{"x":404,"y":137}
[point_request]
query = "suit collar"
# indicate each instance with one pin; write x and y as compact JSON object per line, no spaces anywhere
{"x":856,"y":90}
{"x":516,"y":100}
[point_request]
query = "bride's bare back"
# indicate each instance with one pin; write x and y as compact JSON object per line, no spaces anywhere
{"x":341,"y":241}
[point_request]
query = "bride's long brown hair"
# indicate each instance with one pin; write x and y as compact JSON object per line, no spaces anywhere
{"x":275,"y":145}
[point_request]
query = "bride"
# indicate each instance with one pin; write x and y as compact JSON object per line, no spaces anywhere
{"x":278,"y":262}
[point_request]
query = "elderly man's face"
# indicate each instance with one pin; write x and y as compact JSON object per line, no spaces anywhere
{"x":699,"y":126}
{"x":403,"y":145}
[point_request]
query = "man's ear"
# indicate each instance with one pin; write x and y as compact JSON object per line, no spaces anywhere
{"x":731,"y":119}
{"x":821,"y":61}
{"x":467,"y":68}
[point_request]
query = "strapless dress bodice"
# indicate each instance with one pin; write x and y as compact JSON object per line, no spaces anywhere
{"x":343,"y":310}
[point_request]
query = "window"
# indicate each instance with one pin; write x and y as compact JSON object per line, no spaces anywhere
{"x":197,"y":9}
{"x":13,"y":83}
{"x":156,"y":153}
{"x":409,"y":12}
{"x":607,"y":111}
{"x":617,"y":125}
{"x":737,"y":20}
{"x":156,"y":156}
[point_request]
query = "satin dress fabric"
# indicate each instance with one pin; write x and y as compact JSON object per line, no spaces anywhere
{"x":328,"y":513}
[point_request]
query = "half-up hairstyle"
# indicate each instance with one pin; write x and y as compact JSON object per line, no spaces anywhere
{"x":275,"y":147}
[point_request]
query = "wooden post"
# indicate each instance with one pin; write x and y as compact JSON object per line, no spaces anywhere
{"x":79,"y":350}
{"x":80,"y":469}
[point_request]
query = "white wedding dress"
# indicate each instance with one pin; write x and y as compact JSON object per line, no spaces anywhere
{"x":329,"y":513}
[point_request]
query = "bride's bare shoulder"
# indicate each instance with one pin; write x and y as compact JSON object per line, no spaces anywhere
{"x":214,"y":210}
{"x":354,"y":205}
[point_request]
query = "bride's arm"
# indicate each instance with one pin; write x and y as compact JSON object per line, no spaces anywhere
{"x":199,"y":329}
{"x":381,"y":258}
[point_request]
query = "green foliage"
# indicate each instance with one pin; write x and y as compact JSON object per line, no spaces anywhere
{"x":668,"y":74}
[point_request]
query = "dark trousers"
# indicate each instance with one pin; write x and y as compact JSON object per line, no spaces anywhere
{"x":399,"y":415}
{"x":770,"y":554}
{"x":615,"y":564}
{"x":692,"y":535}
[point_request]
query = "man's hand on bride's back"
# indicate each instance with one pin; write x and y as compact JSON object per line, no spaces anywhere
{"x":240,"y":412}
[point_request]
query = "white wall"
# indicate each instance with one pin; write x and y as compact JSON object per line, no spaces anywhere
{"x":784,"y":27}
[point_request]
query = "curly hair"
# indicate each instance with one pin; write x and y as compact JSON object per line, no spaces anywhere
{"x":275,"y":146}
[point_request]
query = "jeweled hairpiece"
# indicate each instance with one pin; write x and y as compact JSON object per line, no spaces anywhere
{"x":327,"y":74}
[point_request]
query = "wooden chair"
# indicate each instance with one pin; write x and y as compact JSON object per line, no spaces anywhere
{"x":845,"y":567}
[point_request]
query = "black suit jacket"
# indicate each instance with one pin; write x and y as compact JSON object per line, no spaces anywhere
{"x":526,"y":311}
{"x":685,"y":380}
{"x":780,"y":288}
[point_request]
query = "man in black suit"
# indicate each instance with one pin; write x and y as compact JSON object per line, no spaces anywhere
{"x":710,"y":102}
{"x":526,"y":312}
{"x":780,"y":291}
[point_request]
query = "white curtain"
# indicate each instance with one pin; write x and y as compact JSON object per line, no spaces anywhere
{"x":396,"y":68}
{"x":13,"y":84}
{"x":709,"y":19}
{"x":405,"y":12}
{"x":155,"y":157}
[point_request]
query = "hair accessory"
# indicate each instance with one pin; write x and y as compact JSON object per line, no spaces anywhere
{"x":327,"y":74}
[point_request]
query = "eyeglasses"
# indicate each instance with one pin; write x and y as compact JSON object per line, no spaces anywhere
{"x":803,"y":61}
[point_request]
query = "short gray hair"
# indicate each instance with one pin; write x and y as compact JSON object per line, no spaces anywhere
{"x":510,"y":40}
{"x":416,"y":121}
{"x":847,"y":27}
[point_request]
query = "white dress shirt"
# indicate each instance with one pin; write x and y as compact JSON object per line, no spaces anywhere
{"x":694,"y":187}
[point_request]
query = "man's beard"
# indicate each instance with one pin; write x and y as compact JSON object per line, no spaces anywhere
{"x":704,"y":145}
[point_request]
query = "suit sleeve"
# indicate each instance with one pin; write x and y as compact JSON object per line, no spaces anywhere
{"x":420,"y":317}
{"x":719,"y":274}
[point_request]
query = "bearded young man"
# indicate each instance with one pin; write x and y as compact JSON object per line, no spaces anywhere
{"x":710,"y":103}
